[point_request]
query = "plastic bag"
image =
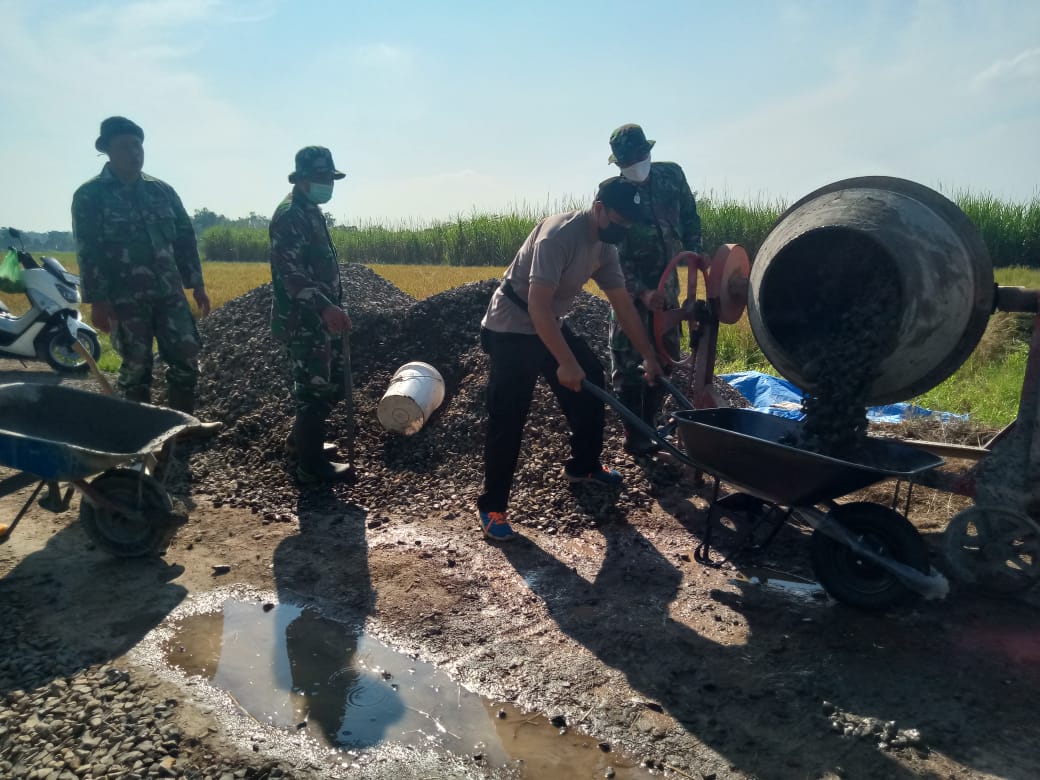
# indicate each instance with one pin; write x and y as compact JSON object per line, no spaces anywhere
{"x":11,"y":280}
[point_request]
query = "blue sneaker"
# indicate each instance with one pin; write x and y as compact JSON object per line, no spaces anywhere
{"x":496,"y":527}
{"x":603,"y":476}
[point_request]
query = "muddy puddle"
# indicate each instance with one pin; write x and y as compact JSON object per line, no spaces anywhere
{"x":296,"y":670}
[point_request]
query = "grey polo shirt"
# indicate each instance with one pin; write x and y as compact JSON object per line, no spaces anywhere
{"x":558,"y":252}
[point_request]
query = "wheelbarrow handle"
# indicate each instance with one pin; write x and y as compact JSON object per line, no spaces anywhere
{"x":634,"y":420}
{"x":668,"y":385}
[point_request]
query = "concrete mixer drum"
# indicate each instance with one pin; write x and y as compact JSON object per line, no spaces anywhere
{"x":880,"y":273}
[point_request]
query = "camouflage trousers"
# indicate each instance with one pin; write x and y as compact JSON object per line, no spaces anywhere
{"x":319,"y":379}
{"x":169,"y":323}
{"x":626,"y":364}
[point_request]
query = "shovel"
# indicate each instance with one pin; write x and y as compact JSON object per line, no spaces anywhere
{"x":83,"y":352}
{"x":348,"y":397}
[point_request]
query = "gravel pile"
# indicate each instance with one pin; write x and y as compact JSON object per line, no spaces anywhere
{"x":246,"y":384}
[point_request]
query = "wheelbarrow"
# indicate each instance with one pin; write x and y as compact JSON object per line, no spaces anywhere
{"x":864,"y":554}
{"x":50,"y":434}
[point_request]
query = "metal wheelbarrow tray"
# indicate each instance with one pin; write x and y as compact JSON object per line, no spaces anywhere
{"x":864,"y":554}
{"x":743,"y":447}
{"x":57,"y":434}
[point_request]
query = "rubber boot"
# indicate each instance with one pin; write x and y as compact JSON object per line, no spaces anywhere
{"x":183,"y":400}
{"x":312,"y":466}
{"x":653,"y":402}
{"x":637,"y":443}
{"x":328,"y":448}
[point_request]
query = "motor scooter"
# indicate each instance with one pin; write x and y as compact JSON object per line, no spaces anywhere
{"x":50,"y":328}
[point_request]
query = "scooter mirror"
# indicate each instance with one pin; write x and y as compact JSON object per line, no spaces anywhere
{"x":13,"y":233}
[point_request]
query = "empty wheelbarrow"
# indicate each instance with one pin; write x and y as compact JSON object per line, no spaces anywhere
{"x":50,"y":434}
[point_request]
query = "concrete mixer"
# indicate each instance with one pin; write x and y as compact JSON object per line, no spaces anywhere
{"x":867,"y":291}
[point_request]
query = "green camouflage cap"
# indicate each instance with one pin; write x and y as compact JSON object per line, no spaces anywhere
{"x":311,"y":160}
{"x":629,"y":145}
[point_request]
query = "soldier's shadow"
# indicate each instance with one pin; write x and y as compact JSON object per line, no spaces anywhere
{"x":324,"y":569}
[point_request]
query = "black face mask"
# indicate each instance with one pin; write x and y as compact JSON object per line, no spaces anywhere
{"x":613,"y":233}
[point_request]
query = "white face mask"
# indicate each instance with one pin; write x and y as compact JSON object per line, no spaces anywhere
{"x":637,"y":172}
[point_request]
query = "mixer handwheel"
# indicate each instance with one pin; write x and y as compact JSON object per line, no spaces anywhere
{"x":996,"y":549}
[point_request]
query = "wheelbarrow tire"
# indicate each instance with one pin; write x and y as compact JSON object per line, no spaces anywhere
{"x":850,"y":579}
{"x":123,"y":536}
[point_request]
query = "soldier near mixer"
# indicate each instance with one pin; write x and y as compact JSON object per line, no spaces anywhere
{"x":667,"y":224}
{"x":307,"y":313}
{"x":525,"y":338}
{"x":137,"y":254}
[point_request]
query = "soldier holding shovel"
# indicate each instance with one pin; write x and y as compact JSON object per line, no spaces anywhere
{"x":307,"y":313}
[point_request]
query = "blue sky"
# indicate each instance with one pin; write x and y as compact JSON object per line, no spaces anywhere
{"x":441,"y":108}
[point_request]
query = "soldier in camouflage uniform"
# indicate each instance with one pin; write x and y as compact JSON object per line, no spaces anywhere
{"x":137,"y":253}
{"x":307,"y":313}
{"x":669,"y":224}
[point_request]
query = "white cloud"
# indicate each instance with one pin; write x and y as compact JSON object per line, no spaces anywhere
{"x":1024,"y":65}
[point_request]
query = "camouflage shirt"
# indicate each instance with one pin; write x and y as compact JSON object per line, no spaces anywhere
{"x":304,"y":267}
{"x":669,"y":225}
{"x":133,"y":241}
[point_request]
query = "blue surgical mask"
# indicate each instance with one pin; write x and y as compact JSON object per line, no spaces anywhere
{"x":319,"y":193}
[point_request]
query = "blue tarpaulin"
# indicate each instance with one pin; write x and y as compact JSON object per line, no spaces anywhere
{"x":777,"y":396}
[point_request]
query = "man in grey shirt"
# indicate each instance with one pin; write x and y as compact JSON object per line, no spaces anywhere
{"x":525,"y":338}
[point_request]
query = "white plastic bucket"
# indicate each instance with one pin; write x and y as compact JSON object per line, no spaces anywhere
{"x":416,"y":390}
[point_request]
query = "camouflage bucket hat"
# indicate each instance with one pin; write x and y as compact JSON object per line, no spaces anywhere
{"x":311,"y":160}
{"x":629,"y":145}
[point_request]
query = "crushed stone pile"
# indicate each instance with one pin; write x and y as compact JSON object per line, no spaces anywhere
{"x":246,"y":384}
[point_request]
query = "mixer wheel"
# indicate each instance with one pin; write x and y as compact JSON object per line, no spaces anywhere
{"x":854,"y":580}
{"x":996,"y":549}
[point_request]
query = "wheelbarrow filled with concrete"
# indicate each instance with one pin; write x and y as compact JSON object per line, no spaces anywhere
{"x":864,"y":554}
{"x":102,"y":446}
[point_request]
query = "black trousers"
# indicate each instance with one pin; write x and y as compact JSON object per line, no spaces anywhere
{"x":517,"y":360}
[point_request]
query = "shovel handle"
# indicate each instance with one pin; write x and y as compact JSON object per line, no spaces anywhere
{"x":348,"y":395}
{"x":634,"y":420}
{"x":83,"y":352}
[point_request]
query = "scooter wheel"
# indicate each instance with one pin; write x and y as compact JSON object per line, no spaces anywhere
{"x":152,"y":524}
{"x":61,"y":357}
